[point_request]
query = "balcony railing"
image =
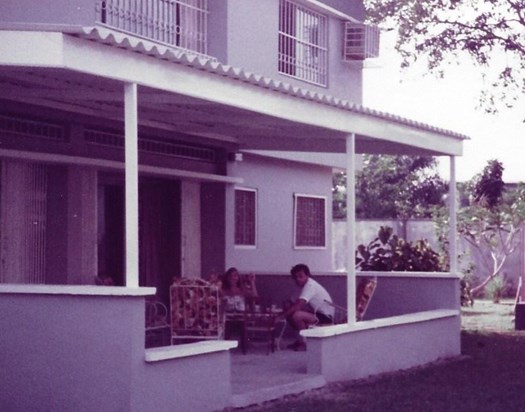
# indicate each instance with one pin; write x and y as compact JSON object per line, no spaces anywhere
{"x":179,"y":23}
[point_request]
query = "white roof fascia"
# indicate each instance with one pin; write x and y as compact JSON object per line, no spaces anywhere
{"x":45,"y":48}
{"x":164,"y":69}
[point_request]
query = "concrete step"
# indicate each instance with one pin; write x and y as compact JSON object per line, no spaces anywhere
{"x":268,"y":393}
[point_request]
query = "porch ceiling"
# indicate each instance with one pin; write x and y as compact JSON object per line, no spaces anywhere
{"x":195,"y":97}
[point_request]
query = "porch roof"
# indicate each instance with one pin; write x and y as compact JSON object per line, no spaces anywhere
{"x":77,"y":71}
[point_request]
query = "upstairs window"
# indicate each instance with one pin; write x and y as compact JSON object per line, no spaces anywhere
{"x":309,"y":221}
{"x":181,"y":23}
{"x":245,"y":217}
{"x":303,"y":43}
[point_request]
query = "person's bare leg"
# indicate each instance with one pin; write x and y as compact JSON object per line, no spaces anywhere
{"x":300,"y":320}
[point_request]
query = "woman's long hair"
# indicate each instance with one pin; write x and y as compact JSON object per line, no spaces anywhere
{"x":226,"y":283}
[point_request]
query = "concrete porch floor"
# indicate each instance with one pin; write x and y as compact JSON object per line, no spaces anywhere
{"x":258,"y":377}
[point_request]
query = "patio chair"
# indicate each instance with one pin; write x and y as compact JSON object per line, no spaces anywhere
{"x":195,"y":310}
{"x":157,"y":323}
{"x":364,"y":292}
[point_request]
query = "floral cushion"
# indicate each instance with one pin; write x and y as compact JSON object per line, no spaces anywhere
{"x":364,"y":291}
{"x":195,"y":310}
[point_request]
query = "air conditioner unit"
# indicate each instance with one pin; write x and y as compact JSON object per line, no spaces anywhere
{"x":361,"y":41}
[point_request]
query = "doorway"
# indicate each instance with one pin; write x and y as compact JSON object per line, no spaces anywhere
{"x":159,"y":232}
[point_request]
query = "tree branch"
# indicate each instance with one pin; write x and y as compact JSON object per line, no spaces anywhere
{"x":489,"y":34}
{"x":519,"y":11}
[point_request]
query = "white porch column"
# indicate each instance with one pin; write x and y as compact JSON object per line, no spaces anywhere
{"x":132,"y":184}
{"x":350,"y":227}
{"x":452,"y":209}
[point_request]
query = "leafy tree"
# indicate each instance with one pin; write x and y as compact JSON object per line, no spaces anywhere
{"x":494,"y":232}
{"x":487,"y":187}
{"x":398,"y":187}
{"x":491,"y":32}
{"x":392,"y":187}
{"x":490,"y":223}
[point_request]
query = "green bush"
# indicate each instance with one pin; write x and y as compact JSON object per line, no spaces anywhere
{"x":389,"y":252}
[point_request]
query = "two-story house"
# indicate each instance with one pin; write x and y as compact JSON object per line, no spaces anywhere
{"x":143,"y":140}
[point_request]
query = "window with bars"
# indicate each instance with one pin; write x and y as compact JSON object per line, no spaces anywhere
{"x":182,"y":23}
{"x":309,"y":221}
{"x":303,"y":43}
{"x":245,"y":217}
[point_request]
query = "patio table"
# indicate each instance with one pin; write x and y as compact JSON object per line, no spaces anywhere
{"x":263,"y":323}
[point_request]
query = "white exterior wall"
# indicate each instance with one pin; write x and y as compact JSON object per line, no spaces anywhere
{"x":253,"y":28}
{"x":241,"y":33}
{"x":252,"y":43}
{"x":344,"y":352}
{"x":276,"y":181}
{"x":67,"y":12}
{"x":345,"y":80}
{"x":81,"y":348}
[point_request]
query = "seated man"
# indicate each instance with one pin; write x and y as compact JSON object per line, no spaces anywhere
{"x":299,"y":315}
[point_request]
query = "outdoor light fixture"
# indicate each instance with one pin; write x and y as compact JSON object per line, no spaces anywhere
{"x":235,"y":157}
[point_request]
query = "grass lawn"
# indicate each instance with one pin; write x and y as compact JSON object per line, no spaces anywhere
{"x":489,"y":376}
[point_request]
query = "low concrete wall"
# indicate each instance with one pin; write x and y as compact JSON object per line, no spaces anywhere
{"x":81,"y":348}
{"x":371,"y":347}
{"x":184,"y":378}
{"x":396,"y":293}
{"x":404,"y":293}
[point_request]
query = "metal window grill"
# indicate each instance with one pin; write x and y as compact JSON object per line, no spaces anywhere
{"x":303,"y":43}
{"x":245,"y":217}
{"x":180,"y":23}
{"x":361,"y":41}
{"x":152,"y":145}
{"x":310,"y":221}
{"x":31,"y":128}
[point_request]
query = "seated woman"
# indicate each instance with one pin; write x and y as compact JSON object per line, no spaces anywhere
{"x":237,"y":294}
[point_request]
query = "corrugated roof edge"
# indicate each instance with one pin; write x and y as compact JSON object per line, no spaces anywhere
{"x":123,"y":40}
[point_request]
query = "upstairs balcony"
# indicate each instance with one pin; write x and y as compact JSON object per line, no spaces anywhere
{"x":178,"y":23}
{"x":285,"y":40}
{"x":181,"y":24}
